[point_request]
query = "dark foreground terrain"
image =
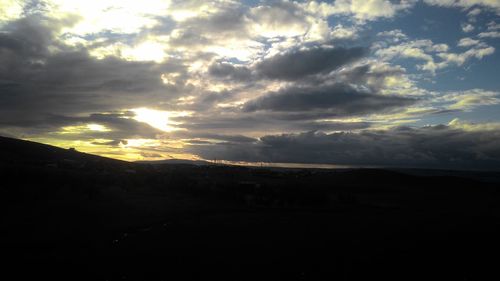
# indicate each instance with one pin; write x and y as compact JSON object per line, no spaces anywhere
{"x":73,"y":216}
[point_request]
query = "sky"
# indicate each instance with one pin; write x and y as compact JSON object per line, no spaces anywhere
{"x":348,"y":82}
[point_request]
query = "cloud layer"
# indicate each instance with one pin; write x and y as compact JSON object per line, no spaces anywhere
{"x":443,"y":146}
{"x":285,"y":81}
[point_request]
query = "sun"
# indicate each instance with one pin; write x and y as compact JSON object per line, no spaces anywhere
{"x":155,"y":118}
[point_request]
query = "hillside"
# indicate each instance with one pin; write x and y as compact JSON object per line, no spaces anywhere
{"x":67,"y":214}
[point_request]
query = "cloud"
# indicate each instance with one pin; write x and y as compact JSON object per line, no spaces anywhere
{"x":233,"y":30}
{"x":378,"y":77}
{"x":416,"y":49}
{"x":360,"y":9}
{"x":342,"y":32}
{"x":337,"y":100}
{"x":297,"y":64}
{"x":460,"y":58}
{"x":468,"y":100}
{"x":469,"y":42}
{"x":440,"y":146}
{"x":110,"y":143}
{"x":256,"y":123}
{"x":489,"y":34}
{"x":491,"y":4}
{"x":473,"y":13}
{"x":292,"y":19}
{"x":40,"y":76}
{"x":467,"y":27}
{"x":493,"y":31}
{"x":119,"y":125}
{"x":210,"y":22}
{"x":230,"y":71}
{"x":111,"y":15}
{"x":225,"y":138}
{"x":364,"y":87}
{"x":282,"y":18}
{"x":224,"y":73}
{"x":493,"y":26}
{"x":11,"y":9}
{"x":429,"y":52}
{"x":395,"y":35}
{"x":291,"y":65}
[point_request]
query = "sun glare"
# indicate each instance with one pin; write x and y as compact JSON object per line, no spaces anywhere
{"x":155,"y":118}
{"x":97,"y":127}
{"x":78,"y":129}
{"x":147,"y":51}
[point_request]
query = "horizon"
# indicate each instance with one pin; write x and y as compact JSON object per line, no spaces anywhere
{"x":344,"y":83}
{"x":290,"y":166}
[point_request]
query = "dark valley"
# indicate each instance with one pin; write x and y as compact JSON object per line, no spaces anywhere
{"x":74,"y":216}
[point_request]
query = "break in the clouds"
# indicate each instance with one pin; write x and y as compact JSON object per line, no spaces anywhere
{"x":388,"y":83}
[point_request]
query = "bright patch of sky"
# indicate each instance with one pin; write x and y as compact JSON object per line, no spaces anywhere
{"x":203,"y":77}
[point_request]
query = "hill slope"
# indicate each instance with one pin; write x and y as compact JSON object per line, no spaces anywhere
{"x":23,"y":151}
{"x":71,"y":215}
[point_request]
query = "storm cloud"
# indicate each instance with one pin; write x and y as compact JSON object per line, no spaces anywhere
{"x":442,"y":146}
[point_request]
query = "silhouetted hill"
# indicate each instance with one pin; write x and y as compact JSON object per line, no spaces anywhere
{"x":71,"y":215}
{"x":23,"y":151}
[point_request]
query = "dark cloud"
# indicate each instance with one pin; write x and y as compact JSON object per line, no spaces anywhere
{"x":228,"y":20}
{"x":111,"y":143}
{"x":202,"y":122}
{"x":369,"y":75}
{"x":433,"y":147}
{"x":207,"y":101}
{"x":227,"y":138}
{"x":300,"y":63}
{"x":46,"y":86}
{"x":188,"y":38}
{"x":194,"y":136}
{"x":213,"y":97}
{"x":229,"y":71}
{"x":197,"y":142}
{"x":293,"y":65}
{"x":119,"y":126}
{"x":337,"y":99}
{"x":331,"y":126}
{"x":40,"y":76}
{"x":243,"y":123}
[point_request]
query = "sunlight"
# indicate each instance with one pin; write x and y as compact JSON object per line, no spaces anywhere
{"x":83,"y":128}
{"x":147,"y":51}
{"x":11,"y":9}
{"x":97,"y":127}
{"x":124,"y":16}
{"x":155,"y":118}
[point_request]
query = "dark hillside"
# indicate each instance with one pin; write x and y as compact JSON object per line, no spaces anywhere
{"x":71,"y":215}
